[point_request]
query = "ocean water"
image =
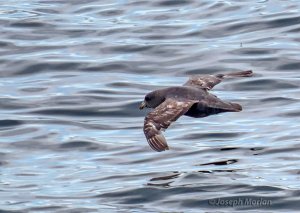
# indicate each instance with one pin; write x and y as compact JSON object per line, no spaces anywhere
{"x":74,"y":72}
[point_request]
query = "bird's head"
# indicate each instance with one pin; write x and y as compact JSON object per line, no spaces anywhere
{"x":152,"y":100}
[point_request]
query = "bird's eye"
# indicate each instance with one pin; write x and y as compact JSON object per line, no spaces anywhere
{"x":147,"y":98}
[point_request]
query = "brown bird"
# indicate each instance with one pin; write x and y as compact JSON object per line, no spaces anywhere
{"x":192,"y":99}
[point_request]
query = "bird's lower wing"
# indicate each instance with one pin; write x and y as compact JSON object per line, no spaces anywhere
{"x":161,"y":118}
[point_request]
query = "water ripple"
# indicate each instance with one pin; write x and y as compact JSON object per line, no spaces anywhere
{"x":73,"y":75}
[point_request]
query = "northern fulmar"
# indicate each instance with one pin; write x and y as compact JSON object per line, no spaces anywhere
{"x":192,"y":99}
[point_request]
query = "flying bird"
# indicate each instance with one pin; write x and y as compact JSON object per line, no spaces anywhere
{"x":192,"y":99}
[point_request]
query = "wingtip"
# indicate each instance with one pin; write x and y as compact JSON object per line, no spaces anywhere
{"x":237,"y":107}
{"x":247,"y":73}
{"x":158,"y":143}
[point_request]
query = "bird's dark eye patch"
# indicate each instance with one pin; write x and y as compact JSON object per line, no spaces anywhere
{"x":147,"y":98}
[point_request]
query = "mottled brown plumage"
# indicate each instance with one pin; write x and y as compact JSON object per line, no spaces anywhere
{"x":192,"y":99}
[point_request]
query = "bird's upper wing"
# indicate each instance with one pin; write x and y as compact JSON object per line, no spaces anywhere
{"x":209,"y":81}
{"x":204,"y":81}
{"x":161,"y":118}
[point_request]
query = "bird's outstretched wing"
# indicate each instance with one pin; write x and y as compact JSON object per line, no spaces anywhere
{"x":161,"y":118}
{"x":209,"y":81}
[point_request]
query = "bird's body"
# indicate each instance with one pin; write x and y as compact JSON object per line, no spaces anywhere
{"x":204,"y":99}
{"x":184,"y":92}
{"x":192,"y":99}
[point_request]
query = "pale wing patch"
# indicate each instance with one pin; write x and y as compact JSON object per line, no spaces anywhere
{"x":204,"y":81}
{"x":161,"y":118}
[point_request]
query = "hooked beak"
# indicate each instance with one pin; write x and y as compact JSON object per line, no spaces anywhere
{"x":142,"y":106}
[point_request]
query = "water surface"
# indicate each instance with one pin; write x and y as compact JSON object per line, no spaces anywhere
{"x":74,"y":72}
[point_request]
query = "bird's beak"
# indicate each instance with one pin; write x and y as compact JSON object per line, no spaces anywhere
{"x":142,"y":106}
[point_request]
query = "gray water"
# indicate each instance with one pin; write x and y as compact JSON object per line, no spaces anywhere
{"x":74,"y":72}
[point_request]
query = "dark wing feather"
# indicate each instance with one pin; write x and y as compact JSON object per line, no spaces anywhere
{"x":211,"y":105}
{"x":214,"y":102}
{"x":209,"y":81}
{"x":161,"y":118}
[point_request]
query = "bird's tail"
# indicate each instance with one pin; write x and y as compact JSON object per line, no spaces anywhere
{"x":247,"y":73}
